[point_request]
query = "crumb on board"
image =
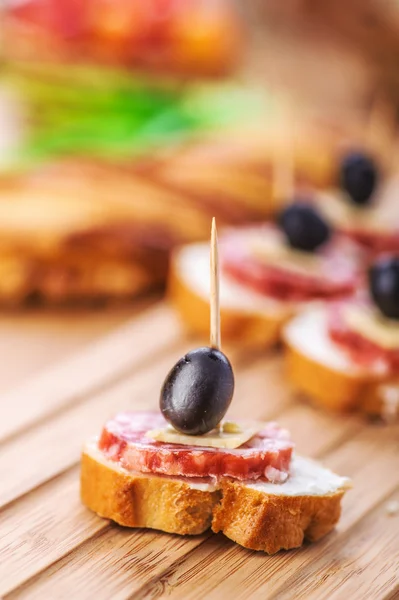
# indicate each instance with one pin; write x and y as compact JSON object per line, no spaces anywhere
{"x":392,"y":508}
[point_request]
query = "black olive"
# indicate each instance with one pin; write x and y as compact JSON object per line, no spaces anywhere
{"x":303,"y":226}
{"x":384,"y":285}
{"x":358,"y":177}
{"x":197,"y":392}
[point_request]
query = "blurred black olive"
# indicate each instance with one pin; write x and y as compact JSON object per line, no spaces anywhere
{"x":384,"y":285}
{"x":358,"y":177}
{"x":303,"y":226}
{"x":197,"y":392}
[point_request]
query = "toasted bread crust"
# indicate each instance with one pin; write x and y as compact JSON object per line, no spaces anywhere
{"x":253,"y":519}
{"x":332,"y":389}
{"x":271,"y":523}
{"x":145,"y":501}
{"x":251,"y":328}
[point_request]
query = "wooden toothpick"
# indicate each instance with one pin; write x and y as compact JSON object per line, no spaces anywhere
{"x":373,"y":130}
{"x":214,"y":297}
{"x":378,"y":132}
{"x":283,"y":180}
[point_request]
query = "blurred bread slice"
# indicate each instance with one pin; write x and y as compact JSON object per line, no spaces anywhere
{"x":318,"y":368}
{"x":234,"y":171}
{"x":85,"y":230}
{"x":247,"y":317}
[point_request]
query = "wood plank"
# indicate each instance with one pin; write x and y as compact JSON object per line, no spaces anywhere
{"x":394,"y":595}
{"x":85,"y":418}
{"x":35,"y":516}
{"x":121,"y":562}
{"x":33,"y":341}
{"x":362,"y":564}
{"x":370,"y":458}
{"x":54,"y":444}
{"x":93,"y":368}
{"x":60,"y":573}
{"x":315,"y":431}
{"x":42,"y":528}
{"x":37,"y":531}
{"x":260,"y":390}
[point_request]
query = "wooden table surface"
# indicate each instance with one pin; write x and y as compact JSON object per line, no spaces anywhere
{"x":53,"y":547}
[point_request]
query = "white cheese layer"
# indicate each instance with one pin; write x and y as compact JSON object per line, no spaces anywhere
{"x":269,"y":247}
{"x":372,"y":325}
{"x":307,"y":477}
{"x":308,"y":334}
{"x":381,"y":217}
{"x":193,"y":268}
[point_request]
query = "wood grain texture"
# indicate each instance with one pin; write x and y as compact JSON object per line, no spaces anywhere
{"x":34,"y":341}
{"x":251,"y":574}
{"x":51,"y":546}
{"x":121,"y":563}
{"x":362,"y":564}
{"x":56,"y":442}
{"x":39,"y":506}
{"x":121,"y":351}
{"x":42,"y":527}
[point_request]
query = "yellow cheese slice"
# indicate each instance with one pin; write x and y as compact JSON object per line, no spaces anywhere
{"x":229,"y":435}
{"x":272,"y":250}
{"x":380,"y":217}
{"x":373,"y":326}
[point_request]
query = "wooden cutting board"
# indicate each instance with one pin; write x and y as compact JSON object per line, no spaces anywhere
{"x":53,"y":547}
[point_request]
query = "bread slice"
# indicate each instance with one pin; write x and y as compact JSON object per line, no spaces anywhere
{"x":247,"y":316}
{"x":136,"y":500}
{"x":259,"y":516}
{"x":317,"y":367}
{"x":273,"y":517}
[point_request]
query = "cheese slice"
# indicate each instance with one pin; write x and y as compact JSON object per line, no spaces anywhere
{"x":381,"y":217}
{"x":373,"y":326}
{"x":229,"y":435}
{"x":307,"y":478}
{"x":272,"y":250}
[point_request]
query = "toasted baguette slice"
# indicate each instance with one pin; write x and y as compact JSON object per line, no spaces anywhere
{"x":136,"y":500}
{"x":273,"y":517}
{"x":317,"y":367}
{"x":259,"y":516}
{"x":247,"y":316}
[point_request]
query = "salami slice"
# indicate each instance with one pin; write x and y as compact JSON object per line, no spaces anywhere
{"x":376,"y":242}
{"x":337,"y":278}
{"x":362,"y":350}
{"x":265,"y":456}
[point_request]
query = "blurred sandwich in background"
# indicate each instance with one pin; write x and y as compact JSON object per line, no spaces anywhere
{"x":127,"y":125}
{"x":88,"y":230}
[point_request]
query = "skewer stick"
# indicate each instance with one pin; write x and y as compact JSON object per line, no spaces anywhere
{"x":214,"y":299}
{"x":375,"y":123}
{"x":381,"y":123}
{"x":283,"y":180}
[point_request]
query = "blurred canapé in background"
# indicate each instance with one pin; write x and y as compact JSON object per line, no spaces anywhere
{"x":126,"y":125}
